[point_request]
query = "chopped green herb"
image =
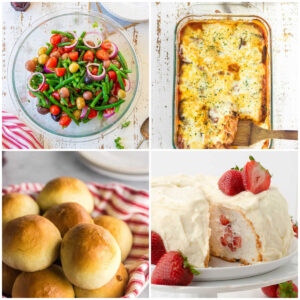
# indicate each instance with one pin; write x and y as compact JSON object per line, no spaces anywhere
{"x":118,"y":143}
{"x":126,"y":124}
{"x":95,"y":24}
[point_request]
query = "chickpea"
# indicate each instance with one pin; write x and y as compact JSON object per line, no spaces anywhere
{"x":77,"y":114}
{"x":64,"y":56}
{"x":64,"y":92}
{"x":90,"y":43}
{"x":87,"y":95}
{"x":73,"y":67}
{"x":112,"y":99}
{"x":121,"y":94}
{"x":42,"y":50}
{"x":116,"y":63}
{"x":80,"y":103}
{"x":64,"y":39}
{"x":55,"y":54}
{"x":30,"y":65}
{"x":43,"y":59}
{"x":106,"y":63}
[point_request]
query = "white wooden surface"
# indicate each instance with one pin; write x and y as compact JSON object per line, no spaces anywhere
{"x":14,"y":23}
{"x":282,"y":17}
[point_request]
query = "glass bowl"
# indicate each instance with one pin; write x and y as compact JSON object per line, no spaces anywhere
{"x":35,"y":37}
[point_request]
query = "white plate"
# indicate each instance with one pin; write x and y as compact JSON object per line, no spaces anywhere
{"x":126,"y":162}
{"x":129,"y":11}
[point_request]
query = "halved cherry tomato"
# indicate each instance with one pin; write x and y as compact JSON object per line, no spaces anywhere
{"x":94,"y":70}
{"x":52,"y":62}
{"x":88,"y":56}
{"x":60,"y":50}
{"x":93,"y":113}
{"x":106,"y":45}
{"x":112,"y":75}
{"x":116,"y":88}
{"x":109,"y":111}
{"x":54,"y":109}
{"x":56,"y":95}
{"x":65,"y":121}
{"x":102,"y":54}
{"x":60,"y":72}
{"x":73,"y":55}
{"x":31,"y":95}
{"x":55,"y":39}
{"x":45,"y":87}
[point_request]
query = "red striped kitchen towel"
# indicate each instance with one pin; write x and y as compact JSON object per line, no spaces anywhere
{"x":17,"y":135}
{"x":127,"y":204}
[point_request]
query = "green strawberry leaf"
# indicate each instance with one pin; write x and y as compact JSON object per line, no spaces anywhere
{"x":251,"y":157}
{"x":186,"y":264}
{"x":285,"y":290}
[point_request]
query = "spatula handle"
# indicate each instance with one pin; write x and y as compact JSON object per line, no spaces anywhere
{"x":284,"y":134}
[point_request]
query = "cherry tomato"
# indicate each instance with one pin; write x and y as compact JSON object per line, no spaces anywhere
{"x":55,"y":39}
{"x":54,"y":109}
{"x":67,"y":50}
{"x":109,"y":111}
{"x":93,"y":113}
{"x":73,"y":55}
{"x":52,"y":62}
{"x":116,"y":88}
{"x":61,"y":50}
{"x":112,"y":75}
{"x":60,"y":72}
{"x":88,"y":56}
{"x":102,"y":54}
{"x":65,"y":121}
{"x":45,"y":87}
{"x":94,"y":70}
{"x":56,"y":95}
{"x":106,"y":45}
{"x":31,"y":95}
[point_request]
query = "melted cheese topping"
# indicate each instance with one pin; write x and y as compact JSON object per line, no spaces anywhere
{"x":222,"y":78}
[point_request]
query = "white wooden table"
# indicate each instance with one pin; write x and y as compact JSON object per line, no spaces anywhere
{"x":14,"y":23}
{"x":282,"y":17}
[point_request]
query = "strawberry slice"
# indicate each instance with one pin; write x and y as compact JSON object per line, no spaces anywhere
{"x":237,"y":241}
{"x":223,"y":220}
{"x":157,"y":247}
{"x":287,"y":290}
{"x":231,"y":182}
{"x":270,"y":291}
{"x":256,"y":178}
{"x":173,"y":269}
{"x":295,"y":228}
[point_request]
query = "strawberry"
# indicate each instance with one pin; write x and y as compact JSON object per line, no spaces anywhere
{"x":223,"y":220}
{"x":237,"y":241}
{"x":270,"y":291}
{"x":295,"y":228}
{"x":173,"y":269}
{"x":231,"y":182}
{"x":157,"y":247}
{"x":256,"y":178}
{"x":287,"y":290}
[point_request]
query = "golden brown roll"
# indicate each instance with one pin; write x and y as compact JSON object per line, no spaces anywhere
{"x":65,"y":189}
{"x":48,"y":283}
{"x":90,"y":256}
{"x":9,"y":276}
{"x":30,"y":243}
{"x":115,"y":288}
{"x":120,"y":231}
{"x":66,"y":215}
{"x":15,"y":205}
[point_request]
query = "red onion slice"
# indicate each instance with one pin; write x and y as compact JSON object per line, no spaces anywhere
{"x":97,"y":43}
{"x":46,"y":70}
{"x":40,"y":86}
{"x":114,"y":50}
{"x":83,"y":112}
{"x":128,"y":84}
{"x":95,"y":77}
{"x":110,"y":113}
{"x":74,"y":44}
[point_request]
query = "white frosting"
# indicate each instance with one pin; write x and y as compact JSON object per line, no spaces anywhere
{"x":180,"y":215}
{"x":268,"y":212}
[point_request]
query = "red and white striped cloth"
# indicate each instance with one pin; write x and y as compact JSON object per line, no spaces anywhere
{"x":127,"y":204}
{"x":17,"y":135}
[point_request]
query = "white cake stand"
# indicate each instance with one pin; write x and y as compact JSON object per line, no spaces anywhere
{"x":210,"y":289}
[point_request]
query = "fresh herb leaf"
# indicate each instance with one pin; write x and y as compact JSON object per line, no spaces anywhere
{"x":95,"y":24}
{"x":126,"y":124}
{"x":118,"y":143}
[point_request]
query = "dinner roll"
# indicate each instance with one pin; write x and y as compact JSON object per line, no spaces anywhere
{"x":15,"y":205}
{"x":66,"y":215}
{"x":48,"y":283}
{"x":30,"y":243}
{"x":65,"y":189}
{"x":90,"y":256}
{"x":120,"y":231}
{"x":115,"y":288}
{"x":9,"y":276}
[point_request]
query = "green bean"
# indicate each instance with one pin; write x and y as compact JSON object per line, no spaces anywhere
{"x":65,"y":109}
{"x":41,"y":98}
{"x":100,"y":114}
{"x":86,"y":120}
{"x":118,"y":70}
{"x":86,"y":115}
{"x":83,"y":47}
{"x":102,"y":107}
{"x":94,"y":102}
{"x":64,"y":44}
{"x":82,"y":62}
{"x":127,"y":71}
{"x":117,"y":108}
{"x":49,"y":49}
{"x":59,"y":64}
{"x":105,"y":96}
{"x":72,"y":98}
{"x":48,"y":44}
{"x":61,"y":80}
{"x":100,"y":69}
{"x":68,"y":35}
{"x":111,"y":84}
{"x":122,"y":60}
{"x":120,"y":81}
{"x":81,"y":55}
{"x":82,"y":35}
{"x":65,"y":82}
{"x":50,"y":75}
{"x":64,"y":101}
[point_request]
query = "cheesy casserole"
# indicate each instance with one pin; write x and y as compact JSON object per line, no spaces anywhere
{"x":222,"y":77}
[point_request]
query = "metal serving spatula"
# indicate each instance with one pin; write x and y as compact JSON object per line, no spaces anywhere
{"x":248,"y":134}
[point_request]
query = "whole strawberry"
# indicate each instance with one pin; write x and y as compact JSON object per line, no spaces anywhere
{"x":231,"y":182}
{"x":295,"y":229}
{"x":270,"y":291}
{"x":287,"y":290}
{"x":173,"y":269}
{"x":157,"y":248}
{"x":256,"y":178}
